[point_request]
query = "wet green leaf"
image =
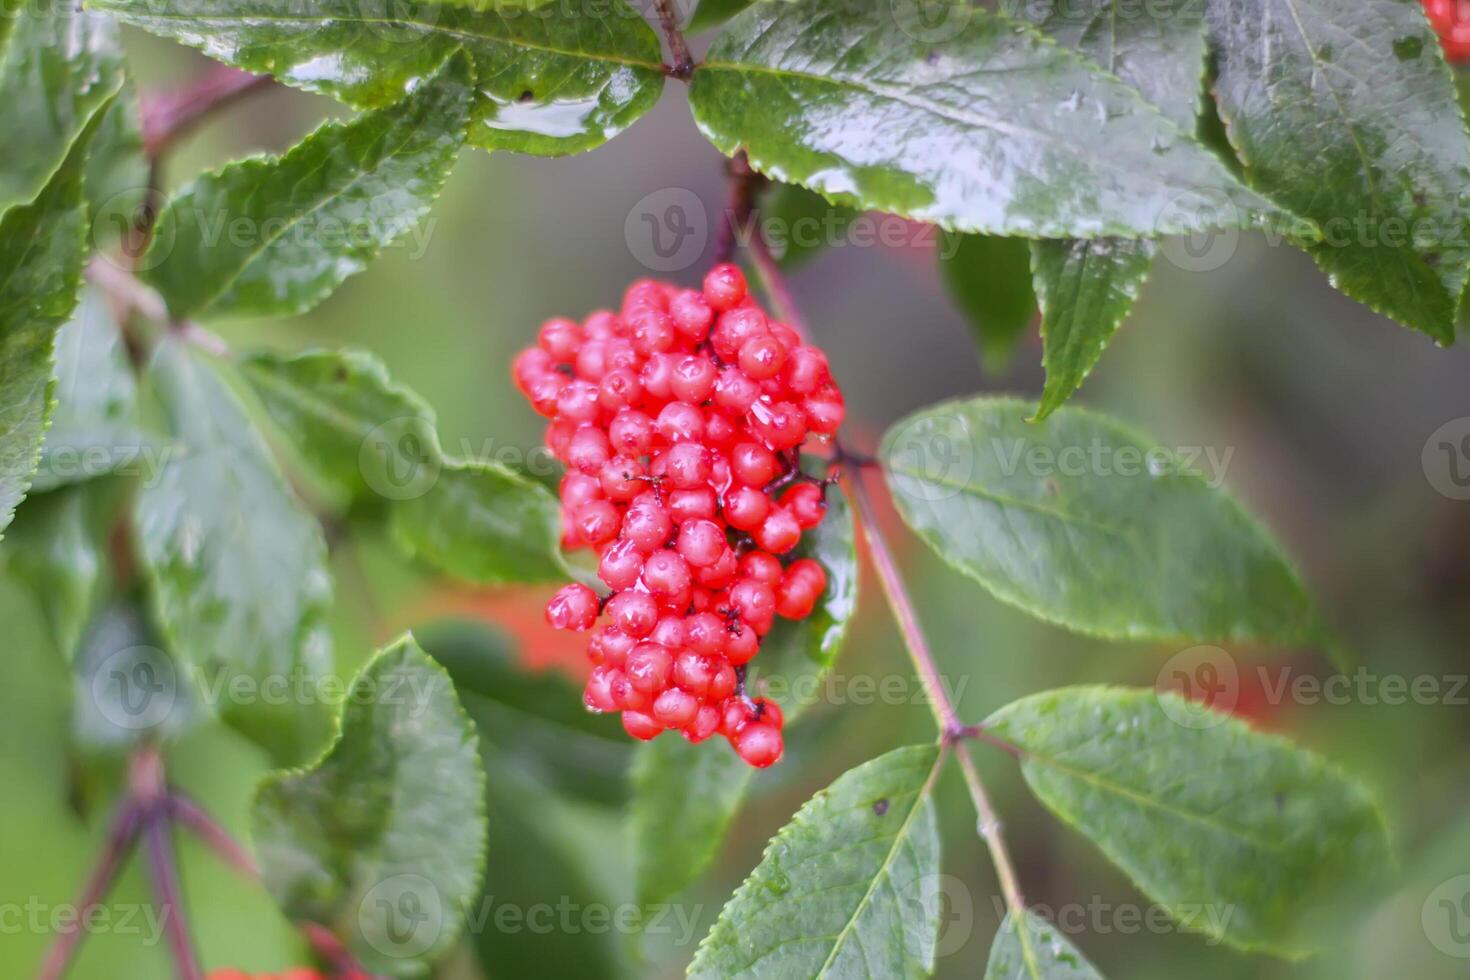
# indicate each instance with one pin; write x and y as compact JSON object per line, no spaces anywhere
{"x":1083,"y":523}
{"x":848,"y":99}
{"x":276,"y":235}
{"x":1344,"y":111}
{"x":1037,"y":951}
{"x":558,"y":80}
{"x":58,"y":67}
{"x":383,"y":840}
{"x":42,"y":250}
{"x":1242,"y":855}
{"x":94,"y":428}
{"x":238,"y":568}
{"x":847,"y":888}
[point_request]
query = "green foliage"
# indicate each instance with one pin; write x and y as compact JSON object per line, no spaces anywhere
{"x":837,"y":96}
{"x":94,"y":429}
{"x":59,"y":67}
{"x":43,"y":249}
{"x":1085,"y":524}
{"x":1344,"y":111}
{"x":238,"y":569}
{"x":375,"y":440}
{"x":383,"y":839}
{"x":314,"y":216}
{"x":1236,"y":834}
{"x":848,"y":888}
{"x":562,"y":80}
{"x":1035,"y":951}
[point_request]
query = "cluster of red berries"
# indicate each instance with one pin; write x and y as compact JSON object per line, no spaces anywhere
{"x":680,"y":420}
{"x":1451,"y":21}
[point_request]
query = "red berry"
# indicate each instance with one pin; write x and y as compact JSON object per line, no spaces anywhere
{"x":769,"y":711}
{"x":758,"y":743}
{"x":753,"y":464}
{"x":755,"y":601}
{"x":692,"y":315}
{"x":635,"y":613}
{"x":598,"y":695}
{"x":666,"y":574}
{"x":701,"y":542}
{"x":804,"y":583}
{"x":688,"y":465}
{"x":735,"y":715}
{"x":693,"y":672}
{"x":807,"y":504}
{"x":648,"y":527}
{"x":762,"y":357}
{"x":631,"y":433}
{"x":720,"y":574}
{"x":560,"y":338}
{"x":741,"y":644}
{"x":724,"y":286}
{"x":762,"y":566}
{"x":781,"y":425}
{"x":678,"y":422}
{"x":589,"y":449}
{"x":648,"y":667}
{"x":574,"y":607}
{"x":824,"y":411}
{"x":734,"y":392}
{"x":706,"y":722}
{"x":619,"y":389}
{"x":746,"y":508}
{"x":779,"y":532}
{"x":705,"y":633}
{"x":597,"y":522}
{"x":722,"y":682}
{"x":622,"y":478}
{"x":621,"y":564}
{"x":641,"y":726}
{"x":692,"y":505}
{"x":675,"y":708}
{"x":577,"y":489}
{"x":693,"y":379}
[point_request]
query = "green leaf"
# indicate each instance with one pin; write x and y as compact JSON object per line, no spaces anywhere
{"x":684,"y":799}
{"x":60,"y":67}
{"x":712,"y":13}
{"x":1242,"y":855}
{"x":990,"y":280}
{"x":559,"y":80}
{"x":1083,"y":523}
{"x":845,"y":99}
{"x":476,"y":520}
{"x":383,"y":840}
{"x":535,"y":721}
{"x":1345,"y":111}
{"x":42,"y":250}
{"x":314,"y":216}
{"x":363,"y":432}
{"x":1040,"y":952}
{"x":238,"y":568}
{"x":94,"y":427}
{"x":484,"y":523}
{"x":847,"y":888}
{"x":126,"y":689}
{"x":1086,"y":288}
{"x":795,"y":657}
{"x":57,"y":548}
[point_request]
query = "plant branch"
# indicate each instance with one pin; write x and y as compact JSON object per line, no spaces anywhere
{"x":163,"y":868}
{"x":193,"y":816}
{"x":953,"y":732}
{"x":169,"y":116}
{"x":745,"y":185}
{"x":121,"y":836}
{"x":682,"y":64}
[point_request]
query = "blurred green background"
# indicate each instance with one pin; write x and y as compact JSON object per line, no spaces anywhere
{"x":1325,"y":407}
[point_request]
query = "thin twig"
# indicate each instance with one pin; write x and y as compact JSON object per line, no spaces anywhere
{"x":163,"y":868}
{"x":192,"y":815}
{"x":745,"y":185}
{"x":681,"y":65}
{"x":169,"y":116}
{"x":120,"y":838}
{"x":769,"y":273}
